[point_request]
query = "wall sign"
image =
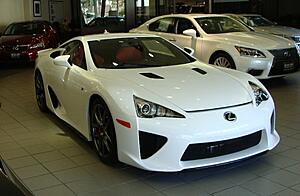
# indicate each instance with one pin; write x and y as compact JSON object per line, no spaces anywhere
{"x":37,"y":9}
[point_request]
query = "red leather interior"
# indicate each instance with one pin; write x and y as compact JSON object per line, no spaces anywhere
{"x":128,"y":54}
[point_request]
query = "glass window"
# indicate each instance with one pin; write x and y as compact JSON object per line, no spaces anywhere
{"x":258,"y":21}
{"x":184,"y":24}
{"x":215,"y":25}
{"x":76,"y":51}
{"x":24,"y":29}
{"x":163,"y":25}
{"x":145,"y":10}
{"x":136,"y":53}
{"x":102,"y":8}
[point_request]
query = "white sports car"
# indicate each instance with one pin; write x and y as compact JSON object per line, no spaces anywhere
{"x":223,"y":41}
{"x":145,"y":102}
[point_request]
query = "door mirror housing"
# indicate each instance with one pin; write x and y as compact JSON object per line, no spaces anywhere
{"x":63,"y":60}
{"x":189,"y":50}
{"x":190,"y":32}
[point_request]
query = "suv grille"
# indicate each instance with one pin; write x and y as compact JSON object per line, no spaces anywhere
{"x":214,"y":149}
{"x":285,"y":61}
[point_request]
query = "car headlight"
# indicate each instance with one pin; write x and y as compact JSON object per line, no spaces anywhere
{"x":148,"y":109}
{"x":250,"y":52}
{"x":38,"y":45}
{"x":259,"y":94}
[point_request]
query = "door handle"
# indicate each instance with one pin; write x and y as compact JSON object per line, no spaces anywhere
{"x":172,"y":40}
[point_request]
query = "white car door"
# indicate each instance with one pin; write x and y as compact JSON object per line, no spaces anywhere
{"x":76,"y":86}
{"x":182,"y":24}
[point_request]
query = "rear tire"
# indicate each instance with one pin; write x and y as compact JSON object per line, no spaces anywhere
{"x":103,"y":132}
{"x":40,"y":92}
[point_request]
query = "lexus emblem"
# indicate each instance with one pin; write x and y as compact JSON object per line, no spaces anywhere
{"x":15,"y":48}
{"x":230,"y":116}
{"x":287,"y":54}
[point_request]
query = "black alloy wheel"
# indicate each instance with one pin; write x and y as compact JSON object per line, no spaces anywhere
{"x":40,"y":92}
{"x":103,"y":132}
{"x":223,"y":60}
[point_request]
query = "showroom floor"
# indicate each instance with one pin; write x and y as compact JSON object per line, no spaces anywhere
{"x":51,"y":159}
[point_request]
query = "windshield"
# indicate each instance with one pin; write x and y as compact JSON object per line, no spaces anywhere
{"x":216,"y":25}
{"x":23,"y":29}
{"x":136,"y":53}
{"x":255,"y":21}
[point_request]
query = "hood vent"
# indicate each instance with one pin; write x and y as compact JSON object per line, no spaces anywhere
{"x":151,"y":75}
{"x":200,"y":71}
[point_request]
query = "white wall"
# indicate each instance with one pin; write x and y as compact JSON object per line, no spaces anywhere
{"x":28,"y":9}
{"x":22,"y":10}
{"x":10,"y":11}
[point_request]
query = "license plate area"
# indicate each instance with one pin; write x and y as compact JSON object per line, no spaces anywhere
{"x":288,"y":66}
{"x":15,"y":55}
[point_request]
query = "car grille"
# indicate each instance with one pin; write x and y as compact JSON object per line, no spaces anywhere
{"x":214,"y":149}
{"x":14,"y":48}
{"x":285,"y":61}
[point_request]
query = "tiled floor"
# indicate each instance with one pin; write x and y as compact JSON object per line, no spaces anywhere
{"x":51,"y":159}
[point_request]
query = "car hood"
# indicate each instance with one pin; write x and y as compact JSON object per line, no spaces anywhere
{"x":18,"y":39}
{"x":279,"y":30}
{"x":254,"y":40}
{"x":189,"y":89}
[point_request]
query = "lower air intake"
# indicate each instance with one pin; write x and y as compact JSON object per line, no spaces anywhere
{"x":150,"y":143}
{"x":214,"y":149}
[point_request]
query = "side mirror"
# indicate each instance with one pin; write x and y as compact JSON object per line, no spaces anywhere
{"x":190,"y":51}
{"x":190,"y":32}
{"x":63,"y":61}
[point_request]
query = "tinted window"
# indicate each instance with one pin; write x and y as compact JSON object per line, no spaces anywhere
{"x":184,"y":24}
{"x":258,"y":21}
{"x":24,"y":29}
{"x":215,"y":25}
{"x":76,"y":51}
{"x":136,"y":53}
{"x":163,"y":25}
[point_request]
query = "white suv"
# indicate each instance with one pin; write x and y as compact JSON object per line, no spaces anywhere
{"x":226,"y":42}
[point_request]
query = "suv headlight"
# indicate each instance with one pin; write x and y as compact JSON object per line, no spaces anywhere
{"x":250,"y":52}
{"x":147,"y":109}
{"x":38,"y":45}
{"x":259,"y":94}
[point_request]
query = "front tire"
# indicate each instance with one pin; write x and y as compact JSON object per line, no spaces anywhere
{"x":103,"y":132}
{"x":223,"y":60}
{"x":40,"y":92}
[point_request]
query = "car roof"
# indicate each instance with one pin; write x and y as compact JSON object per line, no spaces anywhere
{"x":113,"y":36}
{"x":198,"y":15}
{"x":249,"y":14}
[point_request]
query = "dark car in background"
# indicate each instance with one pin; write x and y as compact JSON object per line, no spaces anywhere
{"x":111,"y":24}
{"x":21,"y":41}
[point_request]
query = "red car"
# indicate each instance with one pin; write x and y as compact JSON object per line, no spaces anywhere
{"x":21,"y":41}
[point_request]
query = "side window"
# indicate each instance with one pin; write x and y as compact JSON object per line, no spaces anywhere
{"x":92,"y":23}
{"x":78,"y":57}
{"x":69,"y":47}
{"x":184,"y":24}
{"x":165,"y":25}
{"x":76,"y":51}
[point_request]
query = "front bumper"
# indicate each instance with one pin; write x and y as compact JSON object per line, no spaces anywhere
{"x":18,"y":57}
{"x":197,"y":128}
{"x":274,"y":65}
